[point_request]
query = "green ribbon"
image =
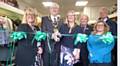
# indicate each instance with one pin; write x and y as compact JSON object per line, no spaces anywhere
{"x":80,"y":38}
{"x":18,"y":35}
{"x":15,"y":36}
{"x":107,"y":38}
{"x":39,"y":36}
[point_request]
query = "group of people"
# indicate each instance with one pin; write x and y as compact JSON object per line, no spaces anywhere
{"x":59,"y":49}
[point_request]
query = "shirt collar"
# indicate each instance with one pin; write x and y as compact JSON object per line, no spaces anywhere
{"x":105,"y":19}
{"x":52,"y":17}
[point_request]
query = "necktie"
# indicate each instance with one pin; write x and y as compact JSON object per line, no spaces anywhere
{"x":55,"y":21}
{"x":55,"y":25}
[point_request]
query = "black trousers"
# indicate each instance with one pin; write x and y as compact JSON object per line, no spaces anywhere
{"x":100,"y":64}
{"x":114,"y":54}
{"x":84,"y":55}
{"x":53,"y":58}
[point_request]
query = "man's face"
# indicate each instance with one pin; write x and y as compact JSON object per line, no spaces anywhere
{"x":103,"y":14}
{"x":54,"y":11}
{"x":84,"y":20}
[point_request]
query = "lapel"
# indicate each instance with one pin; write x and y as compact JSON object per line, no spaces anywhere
{"x":85,"y":29}
{"x":49,"y":19}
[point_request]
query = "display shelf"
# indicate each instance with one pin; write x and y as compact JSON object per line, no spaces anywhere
{"x":11,"y":8}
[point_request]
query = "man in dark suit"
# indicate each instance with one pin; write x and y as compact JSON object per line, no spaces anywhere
{"x":51,"y":24}
{"x":85,"y":29}
{"x":103,"y":15}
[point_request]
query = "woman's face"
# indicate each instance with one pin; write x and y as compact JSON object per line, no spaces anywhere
{"x":30,"y":18}
{"x":71,"y":17}
{"x":100,"y":27}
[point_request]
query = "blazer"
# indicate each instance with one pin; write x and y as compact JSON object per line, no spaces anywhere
{"x":26,"y":51}
{"x":50,"y":58}
{"x":113,"y":26}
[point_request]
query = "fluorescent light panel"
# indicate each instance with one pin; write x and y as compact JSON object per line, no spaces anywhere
{"x":47,"y":4}
{"x":81,"y":3}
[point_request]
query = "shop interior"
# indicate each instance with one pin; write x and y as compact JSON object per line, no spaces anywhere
{"x":13,"y":10}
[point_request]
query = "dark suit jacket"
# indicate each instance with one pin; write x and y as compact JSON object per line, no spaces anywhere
{"x":26,"y":51}
{"x":47,"y":25}
{"x":50,"y":59}
{"x":113,"y":29}
{"x":113,"y":26}
{"x":84,"y":51}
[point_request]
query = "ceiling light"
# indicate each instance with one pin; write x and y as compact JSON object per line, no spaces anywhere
{"x":81,"y":3}
{"x":47,"y":4}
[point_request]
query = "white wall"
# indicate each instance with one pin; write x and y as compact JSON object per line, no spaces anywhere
{"x":93,"y":13}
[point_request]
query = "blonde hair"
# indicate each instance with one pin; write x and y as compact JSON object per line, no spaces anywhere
{"x":106,"y":29}
{"x":71,"y":11}
{"x":30,"y":11}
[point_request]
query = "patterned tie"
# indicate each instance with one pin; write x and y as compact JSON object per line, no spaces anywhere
{"x":55,"y":23}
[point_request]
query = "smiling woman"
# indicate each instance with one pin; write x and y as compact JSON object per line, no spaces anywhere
{"x":27,"y":51}
{"x":97,"y":44}
{"x":100,"y":27}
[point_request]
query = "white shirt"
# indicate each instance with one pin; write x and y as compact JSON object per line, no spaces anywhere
{"x":52,"y":18}
{"x":105,"y":19}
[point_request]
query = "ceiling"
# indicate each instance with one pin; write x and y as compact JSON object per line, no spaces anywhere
{"x":65,"y":5}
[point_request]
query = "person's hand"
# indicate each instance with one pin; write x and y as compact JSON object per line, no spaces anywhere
{"x":69,"y":58}
{"x":40,"y":50}
{"x":76,"y":53}
{"x":2,"y":20}
{"x":56,"y":36}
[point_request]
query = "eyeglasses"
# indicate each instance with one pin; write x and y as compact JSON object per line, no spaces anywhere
{"x":100,"y":24}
